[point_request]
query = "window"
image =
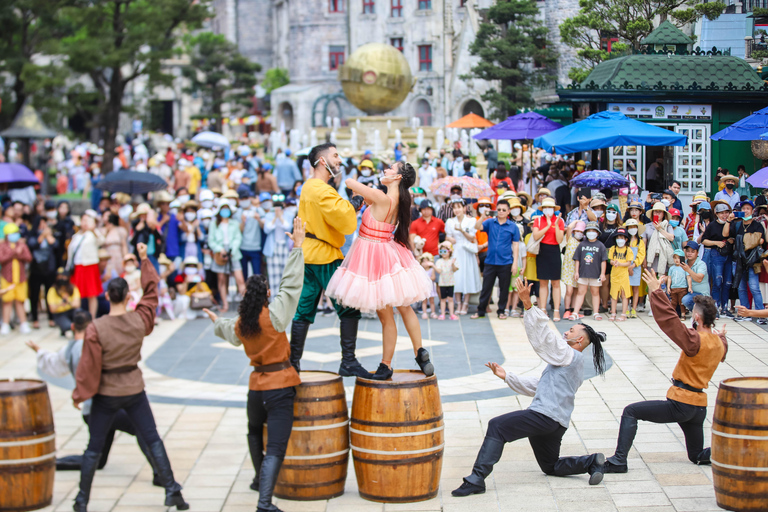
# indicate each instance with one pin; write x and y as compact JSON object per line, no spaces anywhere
{"x":335,"y":5}
{"x":425,"y":5}
{"x":397,"y":42}
{"x":607,"y":42}
{"x":424,"y":112}
{"x":692,"y":160}
{"x":425,"y":57}
{"x":336,"y":55}
{"x":369,"y":6}
{"x":536,"y":63}
{"x":397,"y":8}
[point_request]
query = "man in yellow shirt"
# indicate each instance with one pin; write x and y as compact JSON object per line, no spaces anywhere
{"x":328,"y":218}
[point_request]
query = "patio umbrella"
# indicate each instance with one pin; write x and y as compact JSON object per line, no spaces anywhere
{"x":132,"y":182}
{"x":528,"y":125}
{"x":759,"y":179}
{"x":210,"y":140}
{"x":470,"y":120}
{"x":17,"y":175}
{"x":470,"y":187}
{"x":599,"y":179}
{"x":752,"y":127}
{"x":605,"y":130}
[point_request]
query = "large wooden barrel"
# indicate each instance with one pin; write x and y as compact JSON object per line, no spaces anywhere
{"x":397,"y":437}
{"x":740,"y":444}
{"x":27,"y":445}
{"x":315,"y":465}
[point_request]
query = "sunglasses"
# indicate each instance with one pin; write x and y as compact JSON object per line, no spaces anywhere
{"x":444,"y":251}
{"x":278,"y":198}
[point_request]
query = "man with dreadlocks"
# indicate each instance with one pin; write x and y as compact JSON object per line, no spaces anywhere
{"x":544,"y":423}
{"x":260,"y":327}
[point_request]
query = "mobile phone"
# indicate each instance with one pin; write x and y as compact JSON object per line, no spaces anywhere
{"x":739,"y":215}
{"x":492,"y":213}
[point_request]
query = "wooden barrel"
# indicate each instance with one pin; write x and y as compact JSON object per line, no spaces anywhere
{"x":315,"y":465}
{"x":740,"y":444}
{"x":27,"y":445}
{"x":397,"y":437}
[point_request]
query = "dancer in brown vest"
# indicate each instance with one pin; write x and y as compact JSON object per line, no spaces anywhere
{"x":261,"y":331}
{"x":702,"y":350}
{"x":108,"y":372}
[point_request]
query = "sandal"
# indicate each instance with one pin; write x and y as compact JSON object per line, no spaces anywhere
{"x":502,"y":316}
{"x":598,"y":316}
{"x":433,"y":316}
{"x":556,"y":317}
{"x":476,"y":316}
{"x":575,"y":317}
{"x":622,"y":318}
{"x":454,"y":317}
{"x":441,"y":317}
{"x":424,"y":316}
{"x":612,"y":318}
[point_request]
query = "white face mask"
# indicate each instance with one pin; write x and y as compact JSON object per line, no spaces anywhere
{"x":183,"y":198}
{"x":173,"y":211}
{"x":190,"y":271}
{"x":266,"y":205}
{"x":365,"y":171}
{"x":207,"y":204}
{"x":548,"y":211}
{"x":217,"y":202}
{"x":600,"y":214}
{"x":484,"y":210}
{"x":610,"y":215}
{"x":130,"y":268}
{"x":578,"y":235}
{"x":455,"y":197}
{"x":620,"y":242}
{"x":591,"y":236}
{"x":665,"y":202}
{"x":245,"y":204}
{"x":190,"y":216}
{"x":515,"y":212}
{"x":51,"y":214}
{"x":232,"y":203}
{"x":632,"y":231}
{"x":205,"y":223}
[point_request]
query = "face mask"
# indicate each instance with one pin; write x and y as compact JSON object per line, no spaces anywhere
{"x":729,"y":186}
{"x":205,"y":223}
{"x":705,"y":215}
{"x":515,"y":212}
{"x":190,"y":216}
{"x":266,"y":205}
{"x":14,"y":237}
{"x":328,"y":168}
{"x":183,"y":198}
{"x":674,"y":223}
{"x":620,"y":242}
{"x":225,"y":214}
{"x":232,"y":203}
{"x":665,"y":202}
{"x":216,"y":202}
{"x":51,"y":214}
{"x":747,"y":219}
{"x":96,"y":171}
{"x":611,"y":215}
{"x":163,"y":268}
{"x":62,"y":282}
{"x":578,"y":236}
{"x":195,"y":279}
{"x":365,"y":172}
{"x":591,"y":236}
{"x":207,"y":204}
{"x":549,"y":211}
{"x":130,"y":268}
{"x":190,"y":271}
{"x":600,"y":214}
{"x":484,"y":210}
{"x":632,"y":231}
{"x":245,"y":204}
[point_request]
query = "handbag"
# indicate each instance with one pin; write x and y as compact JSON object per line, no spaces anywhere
{"x":71,"y":263}
{"x":221,"y":260}
{"x":198,"y":303}
{"x":472,"y":248}
{"x":533,"y":246}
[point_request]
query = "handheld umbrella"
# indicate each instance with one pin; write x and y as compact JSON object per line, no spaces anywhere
{"x":132,"y":182}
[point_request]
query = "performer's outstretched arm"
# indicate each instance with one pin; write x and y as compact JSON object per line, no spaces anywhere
{"x":283,"y":307}
{"x":550,"y":347}
{"x":524,"y":385}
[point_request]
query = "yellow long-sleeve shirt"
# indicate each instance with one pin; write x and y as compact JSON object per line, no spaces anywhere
{"x":329,"y":218}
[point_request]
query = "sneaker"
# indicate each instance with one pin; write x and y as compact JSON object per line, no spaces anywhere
{"x":641,"y":307}
{"x":5,"y":329}
{"x":633,"y":314}
{"x":467,"y":489}
{"x":650,"y":312}
{"x":724,"y":312}
{"x":742,"y":319}
{"x":762,"y":321}
{"x":24,"y":328}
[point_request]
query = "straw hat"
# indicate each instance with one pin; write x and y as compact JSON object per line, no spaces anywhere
{"x":700,"y":197}
{"x":104,"y":254}
{"x":543,"y":190}
{"x":714,"y":204}
{"x":659,"y":207}
{"x":230,"y":194}
{"x":508,"y":196}
{"x":142,"y":209}
{"x":163,"y":260}
{"x":729,"y":177}
{"x":121,"y":197}
{"x":191,"y":204}
{"x":548,"y":202}
{"x":636,"y":204}
{"x":527,"y":196}
{"x":191,"y":260}
{"x":515,"y":203}
{"x":162,"y":197}
{"x":447,"y":245}
{"x":596,"y":202}
{"x":426,"y":256}
{"x":346,"y":153}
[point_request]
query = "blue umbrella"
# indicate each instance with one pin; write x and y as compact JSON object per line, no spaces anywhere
{"x":760,"y":178}
{"x":132,"y":182}
{"x":17,"y":175}
{"x":528,"y":125}
{"x":605,"y":130}
{"x":599,"y":179}
{"x":752,"y":127}
{"x":210,"y":140}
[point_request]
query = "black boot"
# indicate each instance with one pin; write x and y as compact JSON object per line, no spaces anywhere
{"x":156,"y":480}
{"x":422,"y":359}
{"x":299,"y":330}
{"x":162,"y":465}
{"x":88,"y":464}
{"x":618,"y":462}
{"x":69,"y":463}
{"x":592,"y":464}
{"x":490,"y":453}
{"x":350,"y":366}
{"x":704,"y":457}
{"x":270,"y":468}
{"x":254,"y":446}
{"x":384,"y":372}
{"x":596,"y":469}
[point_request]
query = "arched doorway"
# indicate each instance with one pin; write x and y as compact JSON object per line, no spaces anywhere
{"x":423,"y":111}
{"x":472,"y":107}
{"x":286,"y":115}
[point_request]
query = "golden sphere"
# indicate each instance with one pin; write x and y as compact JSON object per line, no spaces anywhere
{"x":376,"y":78}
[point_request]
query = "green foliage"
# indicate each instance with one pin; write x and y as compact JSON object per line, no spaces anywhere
{"x":514,"y":51}
{"x":760,"y":11}
{"x":760,"y":54}
{"x":274,"y":78}
{"x":628,"y":20}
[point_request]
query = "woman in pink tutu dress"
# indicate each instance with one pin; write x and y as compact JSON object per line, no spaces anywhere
{"x":380,"y":272}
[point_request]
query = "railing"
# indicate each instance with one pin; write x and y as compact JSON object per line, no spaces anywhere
{"x":661,"y":86}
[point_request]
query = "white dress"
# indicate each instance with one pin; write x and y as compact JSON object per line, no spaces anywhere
{"x":468,"y":275}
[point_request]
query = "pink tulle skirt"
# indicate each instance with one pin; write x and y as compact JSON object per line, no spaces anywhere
{"x":375,"y":275}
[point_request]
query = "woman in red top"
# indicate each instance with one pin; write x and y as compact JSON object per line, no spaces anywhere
{"x":501,"y":175}
{"x":550,"y":230}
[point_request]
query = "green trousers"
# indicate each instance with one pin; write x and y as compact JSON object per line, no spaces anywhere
{"x":316,"y":278}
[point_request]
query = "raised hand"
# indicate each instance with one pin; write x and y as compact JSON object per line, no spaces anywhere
{"x":142,"y":250}
{"x":497,"y":370}
{"x":213,"y":316}
{"x":299,"y":232}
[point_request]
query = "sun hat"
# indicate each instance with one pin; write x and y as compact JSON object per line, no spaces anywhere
{"x":427,"y":256}
{"x":206,"y":213}
{"x":729,"y":177}
{"x":191,"y":204}
{"x":366,"y":163}
{"x":10,"y":229}
{"x":659,"y":207}
{"x":543,"y":190}
{"x":631,"y":222}
{"x":508,"y":196}
{"x":596,"y":202}
{"x":548,"y":202}
{"x":446,"y":244}
{"x":700,"y":197}
{"x":142,"y":209}
{"x":191,"y":260}
{"x":161,"y":196}
{"x":593,"y":225}
{"x":515,"y":203}
{"x":230,"y":194}
{"x":163,"y":260}
{"x":580,"y":226}
{"x":636,"y":204}
{"x":206,"y":194}
{"x":527,"y":196}
{"x":720,"y":206}
{"x":484,"y":200}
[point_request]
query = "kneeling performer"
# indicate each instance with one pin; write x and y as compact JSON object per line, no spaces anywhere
{"x":544,"y":423}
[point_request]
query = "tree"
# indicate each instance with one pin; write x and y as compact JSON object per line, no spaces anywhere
{"x":630,"y":21}
{"x":514,"y":51}
{"x":274,"y":78}
{"x":219,"y":71}
{"x":114,"y":42}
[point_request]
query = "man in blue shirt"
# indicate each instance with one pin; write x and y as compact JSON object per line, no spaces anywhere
{"x":728,"y":194}
{"x":286,"y":172}
{"x":503,"y":239}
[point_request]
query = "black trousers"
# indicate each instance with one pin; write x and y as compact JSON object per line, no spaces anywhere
{"x":490,"y":273}
{"x":545,"y":436}
{"x":275,"y":408}
{"x":64,"y":320}
{"x":37,"y":280}
{"x":689,"y":417}
{"x":105,"y":409}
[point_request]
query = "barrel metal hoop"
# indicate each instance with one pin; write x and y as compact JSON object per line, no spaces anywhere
{"x":322,"y":427}
{"x":738,"y":468}
{"x":308,"y":467}
{"x":25,"y":433}
{"x":402,"y":462}
{"x":31,"y":460}
{"x":414,"y":423}
{"x":390,"y":384}
{"x":737,"y":405}
{"x":340,"y":414}
{"x":25,"y":392}
{"x":743,"y":495}
{"x":27,"y":442}
{"x":397,"y":499}
{"x":312,"y":399}
{"x":399,"y":434}
{"x":742,"y":477}
{"x":314,"y":457}
{"x":314,"y":485}
{"x":740,"y":426}
{"x":740,"y":436}
{"x":404,"y":452}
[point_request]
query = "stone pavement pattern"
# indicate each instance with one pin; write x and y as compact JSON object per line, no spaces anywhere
{"x":198,"y":391}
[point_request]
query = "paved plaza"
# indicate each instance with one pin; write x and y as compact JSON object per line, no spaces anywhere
{"x":197,"y":385}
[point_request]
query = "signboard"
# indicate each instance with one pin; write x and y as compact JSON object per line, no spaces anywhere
{"x":671,"y":111}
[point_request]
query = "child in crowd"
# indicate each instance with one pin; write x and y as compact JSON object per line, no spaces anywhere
{"x":164,"y":295}
{"x":63,"y":298}
{"x":427,"y":263}
{"x":637,"y":245}
{"x":621,"y":258}
{"x":446,"y":267}
{"x":198,"y":292}
{"x":132,"y":275}
{"x":14,"y":256}
{"x":574,"y":235}
{"x":679,"y":282}
{"x":590,"y":260}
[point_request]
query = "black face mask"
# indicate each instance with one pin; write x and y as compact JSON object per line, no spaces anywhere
{"x":705,"y":215}
{"x":729,"y":186}
{"x":62,"y":282}
{"x":695,"y":325}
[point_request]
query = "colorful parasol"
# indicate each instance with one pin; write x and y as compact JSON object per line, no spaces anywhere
{"x":599,"y":179}
{"x":471,"y":120}
{"x":470,"y":187}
